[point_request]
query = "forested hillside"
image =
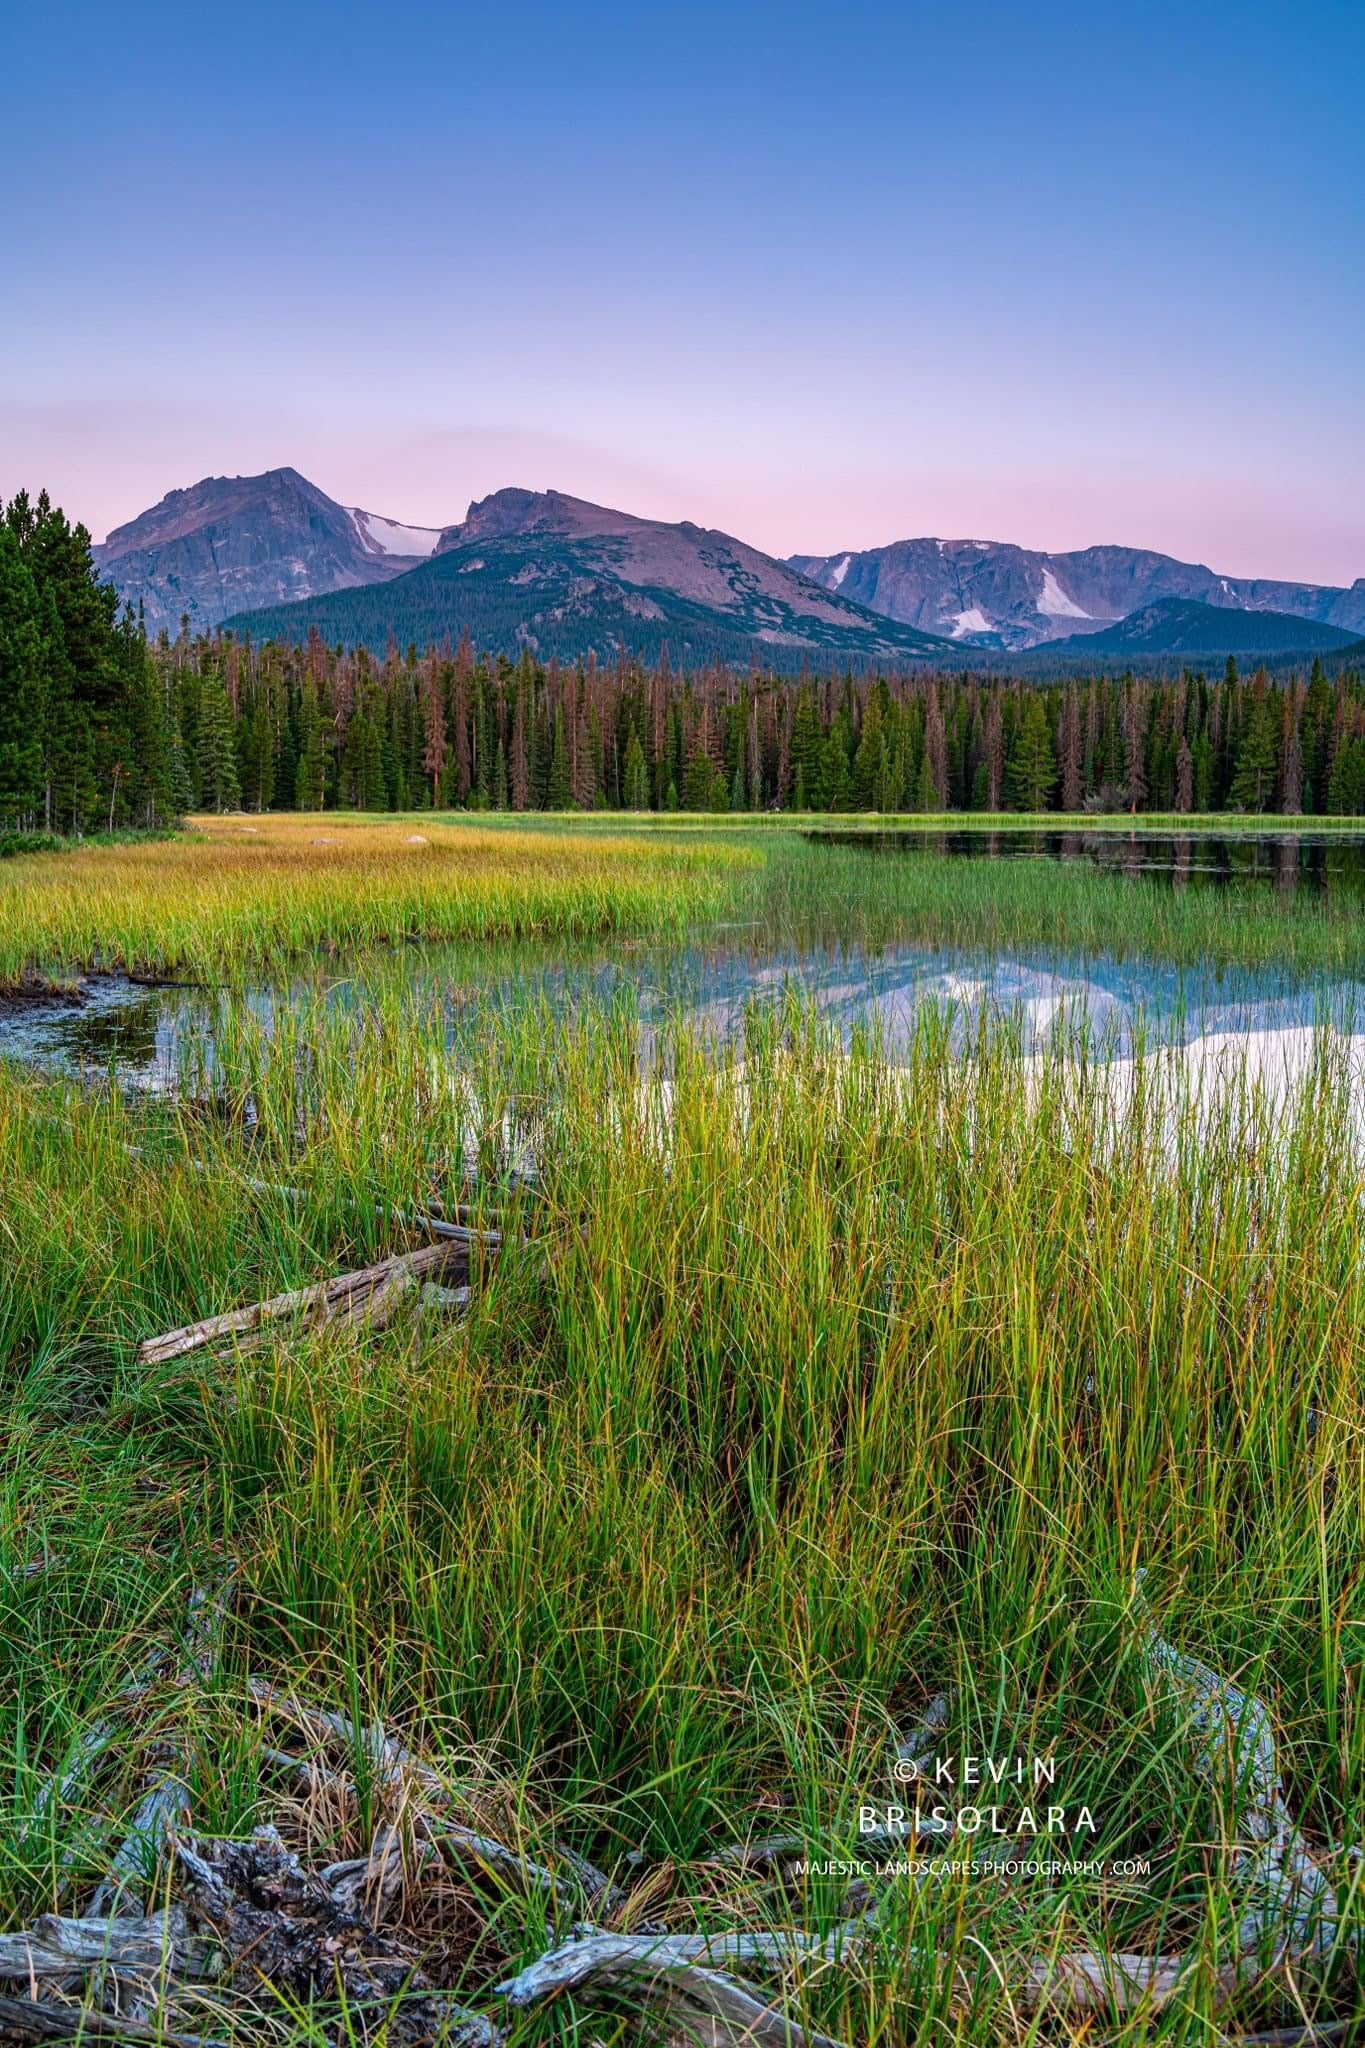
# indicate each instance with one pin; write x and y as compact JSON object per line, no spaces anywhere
{"x":100,"y":729}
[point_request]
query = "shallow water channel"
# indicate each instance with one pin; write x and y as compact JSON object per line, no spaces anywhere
{"x":1315,"y":862}
{"x":143,"y":1035}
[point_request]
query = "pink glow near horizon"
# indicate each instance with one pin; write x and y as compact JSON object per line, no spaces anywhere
{"x":1089,"y":276}
{"x":106,"y":467}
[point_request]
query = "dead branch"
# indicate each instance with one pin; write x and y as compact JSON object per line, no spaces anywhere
{"x":1288,"y":1900}
{"x":22,"y":2019}
{"x":660,"y":1972}
{"x":367,"y":1295}
{"x":167,"y":1802}
{"x":56,"y":1947}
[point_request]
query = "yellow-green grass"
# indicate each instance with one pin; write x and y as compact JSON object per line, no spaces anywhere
{"x":240,"y":893}
{"x":241,"y":898}
{"x":817,"y":1389}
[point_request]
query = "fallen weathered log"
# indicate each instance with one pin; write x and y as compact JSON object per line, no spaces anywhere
{"x":658,"y":1971}
{"x":23,"y":2019}
{"x":58,"y":1947}
{"x":1288,"y":1901}
{"x":370,"y":1295}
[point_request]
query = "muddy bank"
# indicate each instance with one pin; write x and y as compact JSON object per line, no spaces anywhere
{"x":35,"y":991}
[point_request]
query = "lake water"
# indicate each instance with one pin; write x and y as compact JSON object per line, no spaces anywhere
{"x":142,"y":1035}
{"x":1319,"y":861}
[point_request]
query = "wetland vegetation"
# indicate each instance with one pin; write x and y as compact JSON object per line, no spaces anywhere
{"x":814,"y":1376}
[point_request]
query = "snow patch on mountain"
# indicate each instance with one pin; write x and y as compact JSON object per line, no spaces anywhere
{"x":839,"y":571}
{"x":1054,"y":602}
{"x":971,"y":621}
{"x":390,"y":537}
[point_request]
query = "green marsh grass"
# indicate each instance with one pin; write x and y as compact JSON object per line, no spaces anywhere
{"x":819,"y":1387}
{"x":239,"y":899}
{"x":238,"y":895}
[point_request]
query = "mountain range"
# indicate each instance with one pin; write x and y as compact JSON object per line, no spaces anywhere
{"x":234,"y":543}
{"x":991,"y":593}
{"x":555,"y":574}
{"x":273,"y":554}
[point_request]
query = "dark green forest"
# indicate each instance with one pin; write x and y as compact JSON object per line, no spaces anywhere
{"x":85,"y":725}
{"x":102,"y":730}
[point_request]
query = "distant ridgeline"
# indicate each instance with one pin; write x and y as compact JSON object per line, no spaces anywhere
{"x":100,"y":729}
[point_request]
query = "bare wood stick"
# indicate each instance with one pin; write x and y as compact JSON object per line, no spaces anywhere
{"x":21,"y":2019}
{"x":765,"y":1851}
{"x":661,"y":1971}
{"x":90,"y":1745}
{"x":456,"y":1230}
{"x":167,"y":1802}
{"x":917,"y":1748}
{"x":56,"y":1947}
{"x":482,"y":1852}
{"x":326,"y":1298}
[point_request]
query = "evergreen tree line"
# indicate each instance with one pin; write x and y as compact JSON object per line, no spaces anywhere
{"x":315,"y":728}
{"x":85,"y":731}
{"x":99,"y":729}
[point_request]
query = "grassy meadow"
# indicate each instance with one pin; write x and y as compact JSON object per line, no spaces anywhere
{"x":802,"y":1390}
{"x":235,"y":894}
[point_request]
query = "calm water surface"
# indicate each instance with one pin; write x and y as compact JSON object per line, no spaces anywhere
{"x":143,"y":1034}
{"x":1318,"y":862}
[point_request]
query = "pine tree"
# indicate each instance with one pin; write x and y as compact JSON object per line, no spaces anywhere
{"x":1346,"y":783}
{"x":362,"y":786}
{"x":934,"y":769}
{"x":309,"y":776}
{"x":869,"y":761}
{"x":220,"y":788}
{"x":434,"y":750}
{"x":22,"y":693}
{"x":807,"y":750}
{"x":1033,"y":764}
{"x":636,"y":791}
{"x":559,"y":786}
{"x":1253,"y":783}
{"x":151,"y":795}
{"x":1134,"y":750}
{"x":1073,"y":785}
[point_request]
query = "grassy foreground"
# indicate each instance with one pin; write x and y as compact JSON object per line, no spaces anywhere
{"x":815,"y":1389}
{"x":836,"y":1389}
{"x":235,"y":897}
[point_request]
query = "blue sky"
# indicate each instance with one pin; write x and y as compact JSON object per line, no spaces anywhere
{"x":822,"y":276}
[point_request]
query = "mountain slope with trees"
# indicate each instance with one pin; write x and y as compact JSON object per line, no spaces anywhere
{"x":561,"y":577}
{"x":1182,"y":625}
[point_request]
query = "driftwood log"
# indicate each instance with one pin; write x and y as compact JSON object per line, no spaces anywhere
{"x":370,"y":1295}
{"x":249,"y":1915}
